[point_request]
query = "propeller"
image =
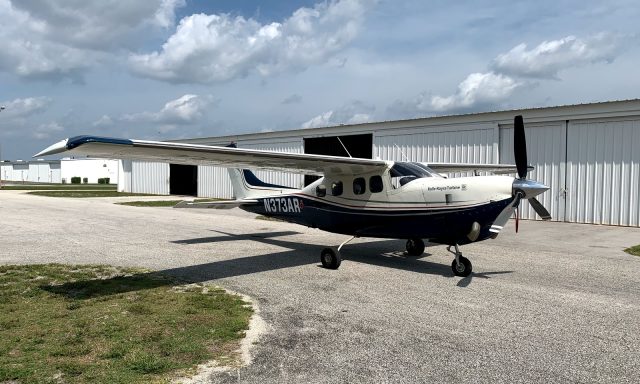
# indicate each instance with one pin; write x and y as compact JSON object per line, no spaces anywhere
{"x":522,"y":187}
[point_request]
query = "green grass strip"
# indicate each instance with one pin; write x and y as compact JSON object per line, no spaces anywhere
{"x":159,"y":203}
{"x":81,"y":194}
{"x":635,"y":250}
{"x":55,"y":187}
{"x":85,"y":324}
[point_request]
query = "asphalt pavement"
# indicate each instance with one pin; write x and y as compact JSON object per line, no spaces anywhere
{"x":556,"y":303}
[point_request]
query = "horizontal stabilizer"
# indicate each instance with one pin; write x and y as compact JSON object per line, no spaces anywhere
{"x":225,"y":204}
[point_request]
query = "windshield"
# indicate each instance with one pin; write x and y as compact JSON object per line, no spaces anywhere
{"x":402,"y":173}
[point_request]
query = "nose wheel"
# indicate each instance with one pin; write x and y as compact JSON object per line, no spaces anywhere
{"x":461,"y":266}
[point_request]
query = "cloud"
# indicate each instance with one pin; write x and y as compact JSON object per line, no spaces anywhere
{"x":355,"y":112}
{"x":187,"y":109}
{"x":476,"y":89}
{"x":103,"y":122}
{"x":292,"y":99}
{"x":57,"y":39}
{"x":23,"y":108}
{"x":551,"y":57}
{"x":45,"y":131}
{"x":515,"y":70}
{"x":218,"y":48}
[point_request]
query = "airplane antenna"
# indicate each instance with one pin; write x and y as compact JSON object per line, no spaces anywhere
{"x":345,"y":148}
{"x":402,"y":152}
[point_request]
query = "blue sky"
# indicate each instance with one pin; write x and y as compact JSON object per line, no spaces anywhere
{"x":163,"y":69}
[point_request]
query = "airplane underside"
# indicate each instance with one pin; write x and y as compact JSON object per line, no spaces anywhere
{"x":444,"y":226}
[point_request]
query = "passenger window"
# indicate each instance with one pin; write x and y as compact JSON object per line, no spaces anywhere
{"x":321,"y":191}
{"x":336,"y":188}
{"x":359,"y":186}
{"x":375,"y":184}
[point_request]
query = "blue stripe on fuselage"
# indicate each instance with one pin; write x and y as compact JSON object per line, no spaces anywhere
{"x":445,"y":224}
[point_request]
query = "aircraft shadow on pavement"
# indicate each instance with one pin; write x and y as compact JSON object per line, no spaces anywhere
{"x":382,"y":253}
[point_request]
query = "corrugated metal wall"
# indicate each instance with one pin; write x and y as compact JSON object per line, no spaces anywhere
{"x":214,"y":182}
{"x":291,"y":145}
{"x":453,"y":144}
{"x":56,"y":174}
{"x":603,"y":172}
{"x":150,"y":177}
{"x":546,"y":151}
{"x":124,"y":176}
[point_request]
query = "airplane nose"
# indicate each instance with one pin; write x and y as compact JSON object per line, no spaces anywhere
{"x":530,"y":188}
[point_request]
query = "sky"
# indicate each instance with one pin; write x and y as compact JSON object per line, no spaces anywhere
{"x":172,"y":69}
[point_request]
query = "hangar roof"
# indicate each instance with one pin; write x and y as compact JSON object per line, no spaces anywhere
{"x":603,"y":109}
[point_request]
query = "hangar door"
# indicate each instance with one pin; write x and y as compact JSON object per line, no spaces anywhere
{"x":183,"y":179}
{"x":603,"y":171}
{"x":360,"y":146}
{"x":546,"y":151}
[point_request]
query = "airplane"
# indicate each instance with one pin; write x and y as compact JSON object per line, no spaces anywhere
{"x":354,"y":196}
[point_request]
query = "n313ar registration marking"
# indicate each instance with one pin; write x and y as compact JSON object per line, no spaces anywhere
{"x":283,"y":205}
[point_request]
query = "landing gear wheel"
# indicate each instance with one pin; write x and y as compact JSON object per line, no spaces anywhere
{"x":330,"y":258}
{"x":415,"y":247}
{"x":463,"y":268}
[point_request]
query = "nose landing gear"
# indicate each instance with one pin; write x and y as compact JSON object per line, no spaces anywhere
{"x":461,"y":266}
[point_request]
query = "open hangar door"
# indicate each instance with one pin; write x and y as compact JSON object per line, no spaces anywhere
{"x":360,"y":146}
{"x":183,"y":179}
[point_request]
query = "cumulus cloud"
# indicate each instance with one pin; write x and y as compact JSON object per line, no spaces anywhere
{"x":23,"y":108}
{"x":514,"y":70}
{"x":45,"y":131}
{"x":55,"y":39}
{"x":550,"y":57}
{"x":476,"y":89}
{"x":355,"y":112}
{"x":187,"y":109}
{"x":103,"y":122}
{"x":217,"y":48}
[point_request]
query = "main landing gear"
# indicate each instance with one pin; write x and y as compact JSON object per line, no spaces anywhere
{"x":415,"y":247}
{"x":330,"y":258}
{"x":461,"y":266}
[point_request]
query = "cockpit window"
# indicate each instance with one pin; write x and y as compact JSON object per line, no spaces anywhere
{"x":402,"y":173}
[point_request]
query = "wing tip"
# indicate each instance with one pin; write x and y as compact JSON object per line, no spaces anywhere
{"x":59,"y":147}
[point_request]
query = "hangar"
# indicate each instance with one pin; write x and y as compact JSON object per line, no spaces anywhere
{"x":587,"y":153}
{"x":58,"y":171}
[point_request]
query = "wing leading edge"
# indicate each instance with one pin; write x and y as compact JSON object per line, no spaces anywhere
{"x":195,"y":154}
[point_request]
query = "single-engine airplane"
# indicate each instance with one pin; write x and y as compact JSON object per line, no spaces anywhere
{"x":356,"y":197}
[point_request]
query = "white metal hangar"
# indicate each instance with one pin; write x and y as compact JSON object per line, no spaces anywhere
{"x":588,"y":154}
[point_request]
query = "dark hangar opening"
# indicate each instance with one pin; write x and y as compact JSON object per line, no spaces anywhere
{"x":358,"y":146}
{"x":183,"y":179}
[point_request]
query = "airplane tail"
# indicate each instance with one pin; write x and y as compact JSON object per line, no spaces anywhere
{"x":246,"y":185}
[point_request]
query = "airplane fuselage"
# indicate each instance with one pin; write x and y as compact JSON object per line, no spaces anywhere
{"x":439,"y":209}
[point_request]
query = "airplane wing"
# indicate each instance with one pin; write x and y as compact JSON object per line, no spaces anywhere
{"x":467,"y":167}
{"x":181,"y":153}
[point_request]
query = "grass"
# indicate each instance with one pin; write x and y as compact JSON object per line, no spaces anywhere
{"x":159,"y":203}
{"x":55,"y":187}
{"x":635,"y":250}
{"x":267,"y":218}
{"x":84,"y":324}
{"x":81,"y":194}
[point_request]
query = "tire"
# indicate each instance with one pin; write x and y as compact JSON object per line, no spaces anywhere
{"x":463,"y":269}
{"x":415,"y":247}
{"x":330,"y":258}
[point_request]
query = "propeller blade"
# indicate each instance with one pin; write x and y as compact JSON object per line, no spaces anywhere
{"x":520,"y":146}
{"x":517,"y":218}
{"x":540,"y":209}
